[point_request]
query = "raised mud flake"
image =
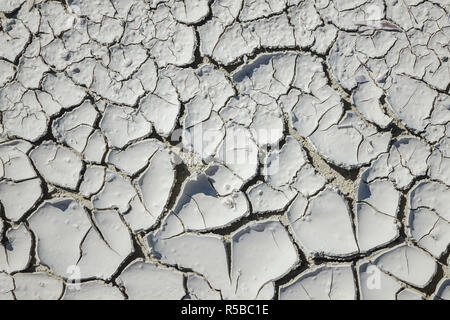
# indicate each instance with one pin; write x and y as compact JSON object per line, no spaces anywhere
{"x":146,"y":280}
{"x":410,"y":294}
{"x":223,"y":180}
{"x":366,"y":98}
{"x":329,"y":282}
{"x":31,"y":71}
{"x":323,"y":227}
{"x":58,"y":165}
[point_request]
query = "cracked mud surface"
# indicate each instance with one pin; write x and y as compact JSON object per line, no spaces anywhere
{"x":225,"y":149}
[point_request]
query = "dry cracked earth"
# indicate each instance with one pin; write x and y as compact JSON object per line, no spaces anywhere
{"x":225,"y":149}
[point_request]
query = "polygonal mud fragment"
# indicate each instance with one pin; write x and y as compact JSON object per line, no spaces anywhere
{"x":134,"y":157}
{"x":282,"y":165}
{"x":15,"y":164}
{"x":366,"y":98}
{"x":58,"y":165}
{"x":23,"y":116}
{"x":439,"y":162}
{"x":7,"y":72}
{"x":428,"y":218}
{"x":265,"y":198}
{"x":375,"y":284}
{"x":190,"y":11}
{"x":15,"y":249}
{"x":351,"y":142}
{"x":308,"y":181}
{"x":330,"y":282}
{"x":147,"y":281}
{"x":377,"y":204}
{"x":82,"y":239}
{"x":69,"y":225}
{"x":408,"y":264}
{"x":161,"y":107}
{"x":239,"y":155}
{"x":199,"y":207}
{"x":115,"y":118}
{"x":93,"y":180}
{"x":412,"y":101}
{"x":13,"y":38}
{"x":31,"y":71}
{"x":95,"y":147}
{"x":223,"y":179}
{"x":63,"y":90}
{"x":156,"y":182}
{"x":109,"y":240}
{"x":323,"y":225}
{"x":407,"y":159}
{"x":37,"y":286}
{"x":255,"y":247}
{"x":74,"y":128}
{"x":116,"y":193}
{"x":18,"y":198}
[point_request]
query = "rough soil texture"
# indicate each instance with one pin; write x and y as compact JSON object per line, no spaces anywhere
{"x":224,"y":149}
